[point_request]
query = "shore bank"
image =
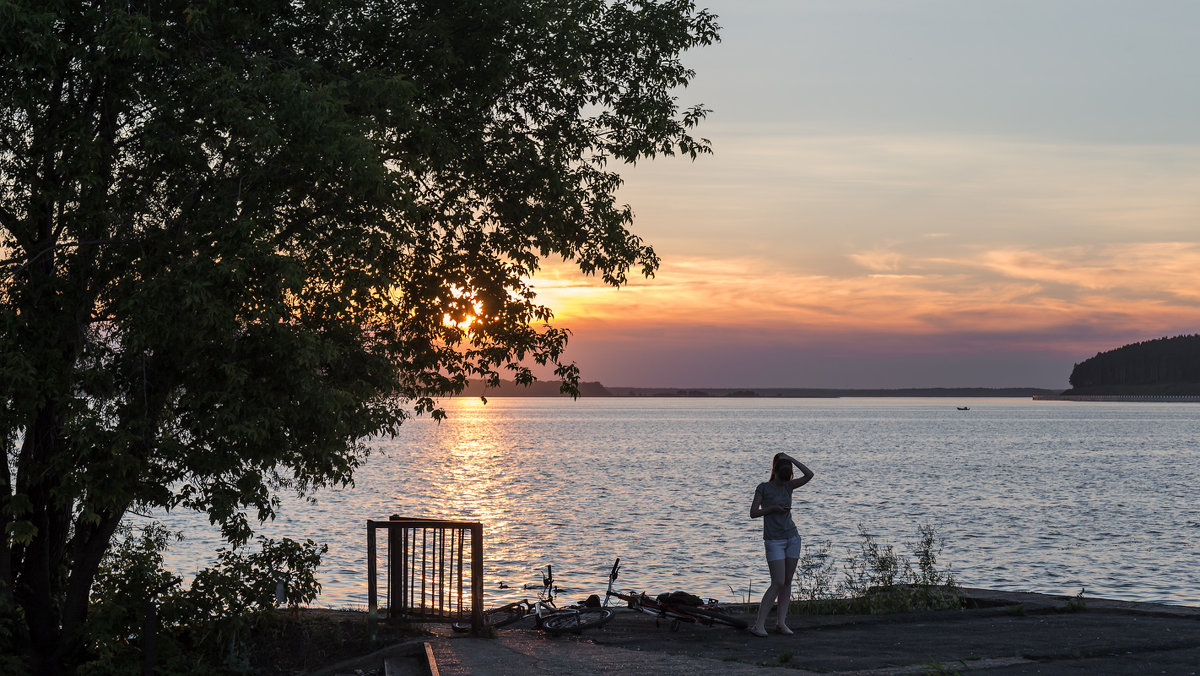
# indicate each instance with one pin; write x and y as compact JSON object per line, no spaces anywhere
{"x":1006,"y":633}
{"x":1163,"y":398}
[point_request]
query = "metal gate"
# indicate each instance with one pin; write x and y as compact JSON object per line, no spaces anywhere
{"x":428,"y":577}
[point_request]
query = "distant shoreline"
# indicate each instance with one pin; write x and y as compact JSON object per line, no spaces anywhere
{"x":830,"y":393}
{"x":1165,"y":398}
{"x":596,"y":389}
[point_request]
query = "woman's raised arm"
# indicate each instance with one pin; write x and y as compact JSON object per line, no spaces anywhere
{"x":801,"y":480}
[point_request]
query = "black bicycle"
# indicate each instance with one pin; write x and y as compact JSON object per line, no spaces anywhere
{"x":548,"y":617}
{"x":676,"y":607}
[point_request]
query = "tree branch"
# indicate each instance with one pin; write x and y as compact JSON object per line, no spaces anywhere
{"x":9,"y":220}
{"x":18,"y":263}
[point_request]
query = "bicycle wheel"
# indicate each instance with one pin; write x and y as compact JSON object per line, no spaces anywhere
{"x":498,"y":617}
{"x":576,"y":620}
{"x":712,"y":615}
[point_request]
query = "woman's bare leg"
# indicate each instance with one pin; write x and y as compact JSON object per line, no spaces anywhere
{"x":785,"y":595}
{"x":773,"y":592}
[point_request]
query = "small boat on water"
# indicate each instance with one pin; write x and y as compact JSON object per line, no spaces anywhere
{"x":964,"y":408}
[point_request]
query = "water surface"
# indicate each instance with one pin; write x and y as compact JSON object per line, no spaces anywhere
{"x":1031,"y":496}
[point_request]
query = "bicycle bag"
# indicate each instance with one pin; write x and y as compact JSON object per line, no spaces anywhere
{"x":681,"y":598}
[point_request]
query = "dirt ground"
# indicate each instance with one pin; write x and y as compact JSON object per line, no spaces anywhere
{"x":1009,"y":633}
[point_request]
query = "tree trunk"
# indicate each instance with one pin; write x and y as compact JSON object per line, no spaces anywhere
{"x":85,"y":562}
{"x":37,"y":588}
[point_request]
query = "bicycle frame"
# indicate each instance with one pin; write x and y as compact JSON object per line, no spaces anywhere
{"x":548,"y":616}
{"x":706,"y":613}
{"x":554,"y":620}
{"x":544,"y":605}
{"x":643,"y":603}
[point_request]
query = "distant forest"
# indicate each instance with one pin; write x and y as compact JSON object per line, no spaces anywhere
{"x":548,"y":388}
{"x":1159,"y":366}
{"x":595,"y":389}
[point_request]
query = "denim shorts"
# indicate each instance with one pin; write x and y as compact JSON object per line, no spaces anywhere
{"x":783,"y":549}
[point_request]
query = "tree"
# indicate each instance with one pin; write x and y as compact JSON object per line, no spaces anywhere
{"x":1168,"y":365}
{"x":239,"y":237}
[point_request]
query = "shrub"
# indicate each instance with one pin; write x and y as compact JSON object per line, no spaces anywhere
{"x":141,"y":613}
{"x":877,"y":579}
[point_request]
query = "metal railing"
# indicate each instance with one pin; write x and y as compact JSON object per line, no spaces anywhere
{"x":426,"y":561}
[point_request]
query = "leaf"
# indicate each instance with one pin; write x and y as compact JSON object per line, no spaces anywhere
{"x":236,"y":237}
{"x":21,"y":532}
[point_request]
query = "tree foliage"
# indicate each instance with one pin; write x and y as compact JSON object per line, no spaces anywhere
{"x":1160,"y":366}
{"x":203,"y":627}
{"x":237,"y":238}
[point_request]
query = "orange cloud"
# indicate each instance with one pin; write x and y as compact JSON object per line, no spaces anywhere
{"x":878,"y":260}
{"x":1149,"y":285}
{"x":1145,"y":270}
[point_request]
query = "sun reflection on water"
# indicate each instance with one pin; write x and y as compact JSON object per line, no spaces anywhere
{"x":666,"y":485}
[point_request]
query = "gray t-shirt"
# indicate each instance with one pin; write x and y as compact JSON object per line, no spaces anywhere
{"x":777,"y":525}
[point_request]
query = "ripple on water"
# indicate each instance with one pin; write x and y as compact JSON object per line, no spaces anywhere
{"x":1028,"y":495}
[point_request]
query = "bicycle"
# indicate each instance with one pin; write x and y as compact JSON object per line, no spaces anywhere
{"x":640,"y":602}
{"x":673,"y":606}
{"x":548,"y":617}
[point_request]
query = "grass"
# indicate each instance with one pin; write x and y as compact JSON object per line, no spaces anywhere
{"x":935,"y":668}
{"x":1076,"y":603}
{"x":745,"y":595}
{"x":875,"y":578}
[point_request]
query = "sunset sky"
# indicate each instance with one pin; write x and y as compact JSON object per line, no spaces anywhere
{"x":913,"y":193}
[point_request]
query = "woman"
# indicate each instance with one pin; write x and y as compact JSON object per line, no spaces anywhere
{"x":773,"y":502}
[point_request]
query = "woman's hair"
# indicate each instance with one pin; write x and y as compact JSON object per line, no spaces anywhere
{"x":781,"y":468}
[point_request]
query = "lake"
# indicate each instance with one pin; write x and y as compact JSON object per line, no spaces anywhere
{"x":1041,"y":496}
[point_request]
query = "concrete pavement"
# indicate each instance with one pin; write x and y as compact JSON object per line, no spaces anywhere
{"x":1004,"y":634}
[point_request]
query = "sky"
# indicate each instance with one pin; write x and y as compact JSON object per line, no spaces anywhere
{"x":912,"y":193}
